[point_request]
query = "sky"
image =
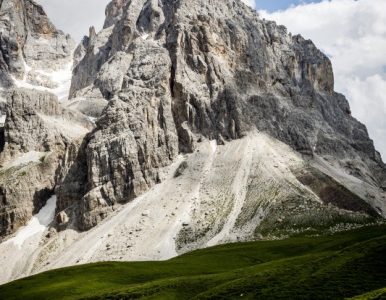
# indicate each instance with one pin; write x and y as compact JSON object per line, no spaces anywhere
{"x":273,"y":5}
{"x":353,"y":35}
{"x":351,"y":32}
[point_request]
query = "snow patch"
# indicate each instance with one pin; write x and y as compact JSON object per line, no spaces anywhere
{"x":68,"y":128}
{"x":61,"y":78}
{"x":92,"y":119}
{"x":37,"y":225}
{"x":213,"y":145}
{"x":26,"y":158}
{"x":27,"y":69}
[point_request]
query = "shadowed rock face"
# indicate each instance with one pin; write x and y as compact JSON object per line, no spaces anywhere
{"x":37,"y":133}
{"x":175,"y":72}
{"x":37,"y":129}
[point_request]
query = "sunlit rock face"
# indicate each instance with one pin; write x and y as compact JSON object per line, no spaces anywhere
{"x":177,"y":72}
{"x":33,"y":52}
{"x":35,"y":130}
{"x":190,"y":123}
{"x":37,"y":133}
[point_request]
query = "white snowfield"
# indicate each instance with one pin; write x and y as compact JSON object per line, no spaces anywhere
{"x":36,"y":226}
{"x":61,"y":78}
{"x":214,"y":191}
{"x":18,"y":254}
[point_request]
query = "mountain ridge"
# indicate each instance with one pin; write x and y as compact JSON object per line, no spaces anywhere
{"x":189,"y":124}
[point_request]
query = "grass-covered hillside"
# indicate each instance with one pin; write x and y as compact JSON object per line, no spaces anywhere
{"x":340,"y":266}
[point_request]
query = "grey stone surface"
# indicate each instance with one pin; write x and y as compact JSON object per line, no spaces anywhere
{"x":30,"y":123}
{"x":135,"y":136}
{"x":179,"y":71}
{"x":28,"y":42}
{"x":35,"y":127}
{"x":159,"y":78}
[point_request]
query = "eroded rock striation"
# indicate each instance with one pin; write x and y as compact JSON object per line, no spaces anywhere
{"x":31,"y":48}
{"x":178,"y":72}
{"x":37,"y":134}
{"x":35,"y":130}
{"x":208,"y":123}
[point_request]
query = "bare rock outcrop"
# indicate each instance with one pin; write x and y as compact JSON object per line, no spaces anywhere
{"x":37,"y":122}
{"x":30,"y":45}
{"x":37,"y":134}
{"x":35,"y":130}
{"x":135,"y":137}
{"x":175,"y":72}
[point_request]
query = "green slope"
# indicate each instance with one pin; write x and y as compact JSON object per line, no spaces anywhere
{"x":339,"y":266}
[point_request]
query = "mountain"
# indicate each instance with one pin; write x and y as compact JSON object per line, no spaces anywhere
{"x":35,"y":63}
{"x":212,"y":126}
{"x":221,"y":74}
{"x":31,"y":48}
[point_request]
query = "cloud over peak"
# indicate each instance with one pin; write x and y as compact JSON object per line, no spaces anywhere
{"x":353,"y":34}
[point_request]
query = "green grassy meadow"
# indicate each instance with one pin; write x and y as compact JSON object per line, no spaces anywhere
{"x":340,"y":266}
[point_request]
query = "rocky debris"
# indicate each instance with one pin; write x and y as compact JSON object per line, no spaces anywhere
{"x":30,"y":45}
{"x":268,"y":148}
{"x":229,"y":195}
{"x":62,"y":218}
{"x":235,"y":119}
{"x":91,"y":107}
{"x":177,"y":72}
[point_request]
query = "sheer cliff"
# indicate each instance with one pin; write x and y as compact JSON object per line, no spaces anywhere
{"x":177,"y":72}
{"x":212,"y":125}
{"x":35,"y":130}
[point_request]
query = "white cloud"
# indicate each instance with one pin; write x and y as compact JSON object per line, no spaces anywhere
{"x":353,"y":34}
{"x":368,"y":103}
{"x":75,"y":16}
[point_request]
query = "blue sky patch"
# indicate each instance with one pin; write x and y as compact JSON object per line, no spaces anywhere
{"x":272,"y":5}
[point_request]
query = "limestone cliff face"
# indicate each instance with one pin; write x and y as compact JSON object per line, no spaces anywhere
{"x":30,"y":45}
{"x":35,"y":130}
{"x":37,"y":133}
{"x":233,"y":118}
{"x":136,"y":136}
{"x":177,"y":72}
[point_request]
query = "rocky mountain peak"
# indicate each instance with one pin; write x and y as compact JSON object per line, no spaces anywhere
{"x":212,"y":125}
{"x":178,"y":72}
{"x":114,"y":11}
{"x":32,"y":49}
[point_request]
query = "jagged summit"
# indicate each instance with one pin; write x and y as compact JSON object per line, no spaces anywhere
{"x":211,"y":126}
{"x":33,"y":52}
{"x":176,"y":72}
